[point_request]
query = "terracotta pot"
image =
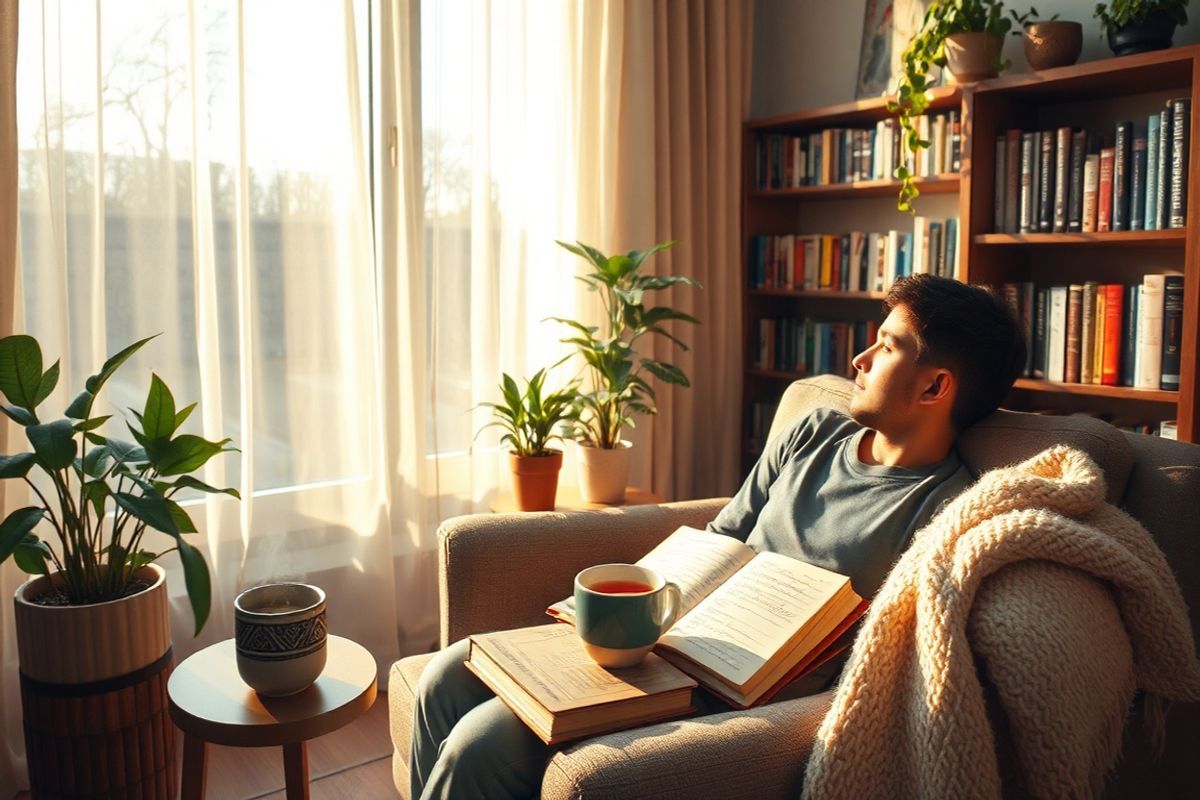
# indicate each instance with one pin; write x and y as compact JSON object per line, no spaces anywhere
{"x":535,"y":480}
{"x":104,"y":667}
{"x":604,"y":473}
{"x":1052,"y":44}
{"x":973,"y":56}
{"x":1155,"y":32}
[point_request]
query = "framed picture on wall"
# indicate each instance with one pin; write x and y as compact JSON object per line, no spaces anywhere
{"x":888,"y":26}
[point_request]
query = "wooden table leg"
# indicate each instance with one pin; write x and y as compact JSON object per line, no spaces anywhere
{"x":195,"y":752}
{"x":295,"y":770}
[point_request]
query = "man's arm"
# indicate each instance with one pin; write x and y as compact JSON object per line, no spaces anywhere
{"x":737,"y":518}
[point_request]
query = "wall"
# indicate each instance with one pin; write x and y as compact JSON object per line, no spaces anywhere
{"x":806,"y":51}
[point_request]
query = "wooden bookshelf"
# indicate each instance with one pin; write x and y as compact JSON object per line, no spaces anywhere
{"x":1095,"y":96}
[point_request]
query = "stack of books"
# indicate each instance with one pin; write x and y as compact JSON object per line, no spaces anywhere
{"x":851,"y":155}
{"x":1070,"y":179}
{"x":1104,"y":334}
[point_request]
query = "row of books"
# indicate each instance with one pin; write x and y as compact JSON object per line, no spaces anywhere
{"x":854,"y":261}
{"x":851,"y":155}
{"x":1105,"y":334}
{"x":1070,"y":179}
{"x":806,"y":346}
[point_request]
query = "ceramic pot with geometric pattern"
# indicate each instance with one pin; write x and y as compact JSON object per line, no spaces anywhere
{"x":279,"y":636}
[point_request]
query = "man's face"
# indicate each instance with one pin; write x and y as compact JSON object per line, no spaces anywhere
{"x":889,"y":382}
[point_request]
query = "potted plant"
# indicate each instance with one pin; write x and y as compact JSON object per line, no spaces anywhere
{"x":1138,"y":26}
{"x":1048,"y":43}
{"x":619,"y":377}
{"x":93,"y":628}
{"x":529,"y":419}
{"x":965,"y":36}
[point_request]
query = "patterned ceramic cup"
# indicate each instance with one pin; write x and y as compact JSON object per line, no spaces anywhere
{"x":279,"y":633}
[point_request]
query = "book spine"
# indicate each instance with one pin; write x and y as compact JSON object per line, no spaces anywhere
{"x":1087,"y":332}
{"x":1075,"y":181}
{"x":1098,"y":345}
{"x":1038,"y":345}
{"x":998,"y":188}
{"x":1180,"y":116}
{"x":1104,"y":191}
{"x":1074,"y":322}
{"x":955,"y":142}
{"x":1120,"y":206}
{"x":1129,"y":336}
{"x":1137,"y":182}
{"x":1114,"y":296}
{"x":1091,"y":187}
{"x":1161,"y":211}
{"x":1013,"y":175}
{"x":1062,"y":170}
{"x":1172,"y":332}
{"x":1057,"y":349}
{"x":1150,"y":319}
{"x":1028,"y":220}
{"x":1025,"y":307}
{"x":843,"y":281}
{"x":1046,"y":172}
{"x":1151,"y":190}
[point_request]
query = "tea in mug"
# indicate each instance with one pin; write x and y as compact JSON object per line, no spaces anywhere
{"x":620,"y":587}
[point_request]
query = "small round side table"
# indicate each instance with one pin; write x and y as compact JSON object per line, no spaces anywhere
{"x":211,"y":703}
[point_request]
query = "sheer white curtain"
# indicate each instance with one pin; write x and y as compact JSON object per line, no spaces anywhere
{"x":199,"y":169}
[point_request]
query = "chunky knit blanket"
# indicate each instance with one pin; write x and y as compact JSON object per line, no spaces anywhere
{"x":1063,"y":601}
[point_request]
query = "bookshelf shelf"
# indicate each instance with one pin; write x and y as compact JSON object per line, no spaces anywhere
{"x":1172,"y":237}
{"x":940,"y":184}
{"x":823,"y":293}
{"x":1094,"y":390}
{"x":859,"y":112}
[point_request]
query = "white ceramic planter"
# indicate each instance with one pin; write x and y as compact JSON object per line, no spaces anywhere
{"x":603,"y":474}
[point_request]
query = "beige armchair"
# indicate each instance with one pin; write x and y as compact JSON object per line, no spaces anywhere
{"x":501,"y":571}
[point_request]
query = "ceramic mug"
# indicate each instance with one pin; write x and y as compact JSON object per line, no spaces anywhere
{"x":621,"y":610}
{"x":279,"y":635}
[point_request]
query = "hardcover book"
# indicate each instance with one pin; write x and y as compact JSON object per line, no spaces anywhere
{"x":1074,"y":325}
{"x":1062,"y":169}
{"x":1104,"y":191}
{"x":1150,"y":325}
{"x":1046,"y":173}
{"x":1114,"y":296}
{"x":750,"y":623}
{"x":1180,"y":114}
{"x":544,"y":675}
{"x":1087,"y":332}
{"x":1014,"y":175}
{"x":1091,"y":191}
{"x":1121,"y":169}
{"x":1172,"y":332}
{"x":1075,"y":181}
{"x":1162,"y":214}
{"x":1151,"y":190}
{"x":1137,"y":182}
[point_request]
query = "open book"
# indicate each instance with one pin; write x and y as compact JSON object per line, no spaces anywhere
{"x":543,"y":674}
{"x":750,"y":622}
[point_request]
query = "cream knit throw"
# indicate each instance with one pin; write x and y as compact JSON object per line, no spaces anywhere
{"x":1084,"y":611}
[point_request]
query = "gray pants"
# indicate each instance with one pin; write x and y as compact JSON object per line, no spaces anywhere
{"x":467,"y":744}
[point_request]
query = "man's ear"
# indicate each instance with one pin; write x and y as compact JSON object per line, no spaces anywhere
{"x":939,"y":388}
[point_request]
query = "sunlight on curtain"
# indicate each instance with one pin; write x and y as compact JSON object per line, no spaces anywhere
{"x":501,"y":185}
{"x":198,"y":169}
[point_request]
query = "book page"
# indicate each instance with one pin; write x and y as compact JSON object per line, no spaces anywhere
{"x":549,"y":662}
{"x":694,"y":560}
{"x":737,"y":629}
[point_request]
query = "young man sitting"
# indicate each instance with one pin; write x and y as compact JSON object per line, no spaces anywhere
{"x":842,"y":492}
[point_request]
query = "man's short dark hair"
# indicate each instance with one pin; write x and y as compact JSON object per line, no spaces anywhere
{"x":969,"y":331}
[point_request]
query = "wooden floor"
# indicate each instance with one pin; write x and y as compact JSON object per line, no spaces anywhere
{"x":352,"y":762}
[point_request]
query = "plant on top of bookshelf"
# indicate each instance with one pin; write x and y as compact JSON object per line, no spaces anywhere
{"x":1048,"y":43}
{"x":966,"y":36}
{"x":1138,"y":26}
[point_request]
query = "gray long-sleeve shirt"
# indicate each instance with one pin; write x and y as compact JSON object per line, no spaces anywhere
{"x":811,"y":497}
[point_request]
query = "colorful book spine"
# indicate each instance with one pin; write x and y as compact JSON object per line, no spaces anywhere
{"x":1062,"y":172}
{"x":1150,"y":318}
{"x":1046,"y":173}
{"x":1161,"y":211}
{"x":1114,"y":297}
{"x":1151,"y":199}
{"x":1129,"y":336}
{"x":1029,"y":160}
{"x":1120,"y":204}
{"x":1087,"y":332}
{"x":1104,"y":191}
{"x":1038,"y":345}
{"x":1172,"y":332}
{"x":1091,"y":192}
{"x":1180,"y":116}
{"x":1074,"y":332}
{"x":1137,"y":181}
{"x":1098,"y":345}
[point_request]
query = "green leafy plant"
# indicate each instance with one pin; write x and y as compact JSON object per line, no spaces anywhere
{"x":619,"y":376}
{"x":1119,"y":13}
{"x":529,"y":418}
{"x":927,"y":49}
{"x":98,"y":553}
{"x":1030,"y":17}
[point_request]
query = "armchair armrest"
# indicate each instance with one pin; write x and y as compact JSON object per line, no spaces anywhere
{"x":760,"y":754}
{"x":498,"y":571}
